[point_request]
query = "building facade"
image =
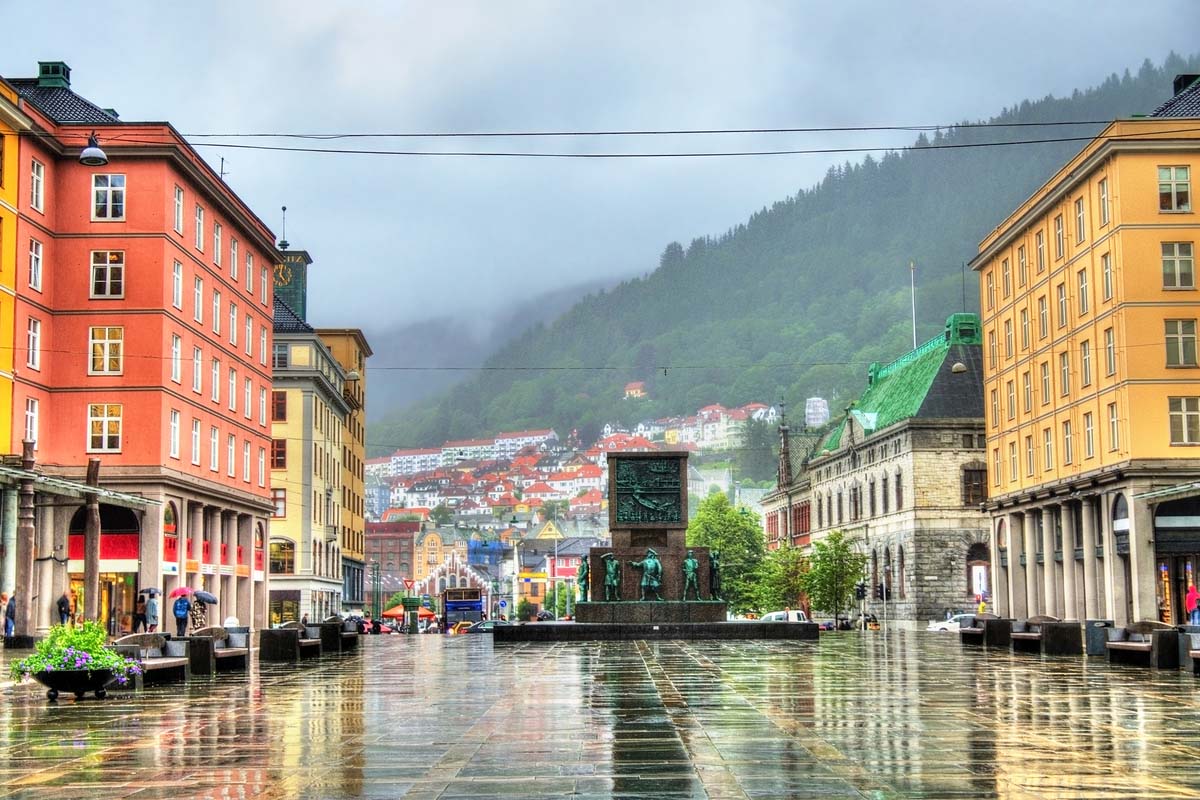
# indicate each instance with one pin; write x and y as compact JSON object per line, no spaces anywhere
{"x":1089,"y":302}
{"x":902,"y":476}
{"x":142,"y":312}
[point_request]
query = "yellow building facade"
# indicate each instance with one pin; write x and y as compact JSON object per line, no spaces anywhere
{"x":12,"y":123}
{"x":349,"y":346}
{"x":1092,"y":388}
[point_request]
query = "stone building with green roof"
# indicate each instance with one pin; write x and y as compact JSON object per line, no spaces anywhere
{"x":902,"y":472}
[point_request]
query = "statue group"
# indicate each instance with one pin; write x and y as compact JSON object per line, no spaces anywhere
{"x":652,"y":576}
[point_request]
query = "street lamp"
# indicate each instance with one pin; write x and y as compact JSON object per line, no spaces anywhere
{"x":92,"y":155}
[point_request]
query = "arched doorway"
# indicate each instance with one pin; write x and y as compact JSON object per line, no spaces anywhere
{"x":979,"y":578}
{"x":120,"y":554}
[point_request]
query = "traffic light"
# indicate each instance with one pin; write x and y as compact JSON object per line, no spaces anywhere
{"x":860,"y":591}
{"x":879,"y":591}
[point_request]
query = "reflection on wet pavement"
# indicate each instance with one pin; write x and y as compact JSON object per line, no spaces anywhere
{"x":901,"y":715}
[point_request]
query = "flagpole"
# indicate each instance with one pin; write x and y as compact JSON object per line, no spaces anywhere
{"x":912,"y":271}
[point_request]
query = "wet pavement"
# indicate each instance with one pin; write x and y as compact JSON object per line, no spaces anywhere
{"x":898,"y":715}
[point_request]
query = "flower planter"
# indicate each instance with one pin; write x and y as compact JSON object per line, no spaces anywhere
{"x":75,"y":681}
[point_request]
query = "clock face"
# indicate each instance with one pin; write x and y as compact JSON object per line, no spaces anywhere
{"x":283,"y":274}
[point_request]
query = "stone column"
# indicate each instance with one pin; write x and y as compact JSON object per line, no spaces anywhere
{"x":1050,"y":601}
{"x":245,"y":583}
{"x":151,"y":547}
{"x":45,"y":568}
{"x":999,"y":576}
{"x":8,"y":535}
{"x":1114,"y":570}
{"x":212,"y":535}
{"x":1071,"y":604}
{"x":195,"y":531}
{"x":1016,"y":579}
{"x":1033,"y":605}
{"x":1090,"y":607}
{"x":1143,"y":565}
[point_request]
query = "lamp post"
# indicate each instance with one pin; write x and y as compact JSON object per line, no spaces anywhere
{"x":376,"y":590}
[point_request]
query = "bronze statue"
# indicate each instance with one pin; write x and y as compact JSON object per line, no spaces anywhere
{"x":651,"y":569}
{"x":612,"y":577}
{"x":714,"y":575}
{"x":581,"y":577}
{"x":691,"y":568}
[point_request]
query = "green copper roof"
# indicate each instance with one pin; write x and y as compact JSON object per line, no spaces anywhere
{"x":898,"y":390}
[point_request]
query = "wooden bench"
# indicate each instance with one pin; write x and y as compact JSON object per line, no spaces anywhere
{"x":215,"y":649}
{"x":987,"y":630}
{"x":163,"y":660}
{"x":291,"y":641}
{"x":1147,"y":643}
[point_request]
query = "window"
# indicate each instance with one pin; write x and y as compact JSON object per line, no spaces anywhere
{"x":262,"y":345}
{"x":1177,"y":266}
{"x":1068,"y":449}
{"x":1103,"y":191}
{"x":200,"y":229}
{"x":104,"y":428}
{"x":1061,"y":291}
{"x":1185,"y":420}
{"x":1047,"y":449}
{"x":247,"y":398}
{"x":1181,"y":342}
{"x":1030,"y":458}
{"x":31,"y":419}
{"x":279,"y":497}
{"x":1008,"y":338}
{"x":108,"y":273}
{"x":178,"y":210}
{"x":216,"y":312}
{"x":279,"y":355}
{"x":1024,"y":329}
{"x":214,"y":449}
{"x":991,"y":291}
{"x":995,"y":408}
{"x":996,"y":474}
{"x":1045,"y":367}
{"x":262,"y":466}
{"x":1027,"y":391}
{"x":197,"y":369}
{"x":37,"y":185}
{"x":1114,"y":427}
{"x":216,"y":380}
{"x":1039,"y":243}
{"x":263,"y":284}
{"x":283,"y":556}
{"x":992,"y":349}
{"x":1059,"y":244}
{"x":1043,"y":318}
{"x":231,"y":455}
{"x":1012,"y":461}
{"x":262,"y":405}
{"x":1085,"y":362}
{"x":246,"y":461}
{"x":250,"y":273}
{"x":232,"y":389}
{"x":35,"y":265}
{"x":279,"y":454}
{"x":217,"y":243}
{"x":196,"y":442}
{"x":33,"y":344}
{"x":1173,"y":189}
{"x":174,"y":436}
{"x":1106,"y":278}
{"x":1083,"y":292}
{"x":1079,"y":220}
{"x":974,"y":486}
{"x":899,"y":491}
{"x":1064,"y":373}
{"x":176,"y":359}
{"x":198,"y":300}
{"x":278,"y":406}
{"x":1022,"y":267}
{"x":177,"y":285}
{"x":1005,"y":278}
{"x":1089,"y":436}
{"x":233,"y":324}
{"x":107,"y":349}
{"x":249,"y":337}
{"x":108,"y":197}
{"x":233,"y":259}
{"x":1011,"y":392}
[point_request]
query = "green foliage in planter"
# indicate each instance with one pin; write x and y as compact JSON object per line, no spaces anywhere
{"x":69,"y":648}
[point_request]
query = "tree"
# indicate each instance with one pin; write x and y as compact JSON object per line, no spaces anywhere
{"x":781,"y":580}
{"x":525,"y":610}
{"x":441,"y":515}
{"x":393,"y":601}
{"x":555,"y":509}
{"x":737,"y":534}
{"x":833,"y":571}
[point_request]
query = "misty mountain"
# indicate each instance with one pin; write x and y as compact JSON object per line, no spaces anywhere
{"x":798,"y":300}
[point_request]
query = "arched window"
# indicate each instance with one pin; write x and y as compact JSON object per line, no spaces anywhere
{"x":887,"y":571}
{"x":883,"y":491}
{"x":820,"y":513}
{"x":453,"y":581}
{"x":900,"y":574}
{"x":979,"y":567}
{"x":874,"y":569}
{"x":283,"y":557}
{"x":899,"y":490}
{"x":441,"y":585}
{"x":1001,"y":536}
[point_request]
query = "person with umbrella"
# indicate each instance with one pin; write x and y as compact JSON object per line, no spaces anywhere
{"x":201,"y":600}
{"x":180,"y":609}
{"x":152,"y":609}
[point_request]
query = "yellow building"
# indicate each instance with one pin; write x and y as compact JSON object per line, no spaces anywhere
{"x":309,"y":411}
{"x":349,"y":346}
{"x":12,"y":122}
{"x":1092,"y":387}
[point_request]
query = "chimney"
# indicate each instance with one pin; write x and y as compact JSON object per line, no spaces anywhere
{"x":55,"y":74}
{"x":1183,"y":82}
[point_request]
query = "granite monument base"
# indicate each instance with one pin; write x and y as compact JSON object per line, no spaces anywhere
{"x":606,"y":632}
{"x":652,"y":611}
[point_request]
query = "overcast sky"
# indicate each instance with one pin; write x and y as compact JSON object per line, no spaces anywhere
{"x":402,"y":237}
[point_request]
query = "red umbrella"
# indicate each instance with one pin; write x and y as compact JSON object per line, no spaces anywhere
{"x":180,"y":591}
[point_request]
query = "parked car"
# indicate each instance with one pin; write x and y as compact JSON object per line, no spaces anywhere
{"x":785,"y":616}
{"x":485,"y":626}
{"x":952,"y":624}
{"x":545,"y":616}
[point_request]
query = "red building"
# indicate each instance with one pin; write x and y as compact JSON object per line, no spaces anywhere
{"x":143,"y":341}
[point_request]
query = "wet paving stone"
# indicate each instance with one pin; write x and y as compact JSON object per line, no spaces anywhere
{"x":896,"y":716}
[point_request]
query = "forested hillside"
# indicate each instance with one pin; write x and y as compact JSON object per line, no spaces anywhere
{"x":794,"y":302}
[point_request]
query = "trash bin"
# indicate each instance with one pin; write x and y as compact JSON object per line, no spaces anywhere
{"x":1185,"y":643}
{"x":1096,"y":636}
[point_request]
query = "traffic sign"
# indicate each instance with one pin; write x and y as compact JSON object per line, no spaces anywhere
{"x":504,"y":604}
{"x":410,"y":603}
{"x":408,"y":584}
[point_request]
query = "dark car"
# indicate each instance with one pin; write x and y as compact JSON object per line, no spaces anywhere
{"x":545,"y":616}
{"x":485,"y":626}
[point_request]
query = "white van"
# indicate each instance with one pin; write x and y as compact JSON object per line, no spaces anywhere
{"x":785,"y":616}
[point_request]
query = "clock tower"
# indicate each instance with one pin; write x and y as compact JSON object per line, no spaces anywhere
{"x":291,"y":280}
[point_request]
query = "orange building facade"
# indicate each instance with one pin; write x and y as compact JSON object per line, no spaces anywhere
{"x":143,"y":332}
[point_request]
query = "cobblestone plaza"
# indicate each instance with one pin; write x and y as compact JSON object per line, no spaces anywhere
{"x":898,"y":715}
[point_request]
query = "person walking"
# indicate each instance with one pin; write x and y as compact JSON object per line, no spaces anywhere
{"x":64,"y":609}
{"x":1192,"y":603}
{"x":10,"y":613}
{"x":139,"y":614}
{"x":152,"y":613}
{"x":180,"y":611}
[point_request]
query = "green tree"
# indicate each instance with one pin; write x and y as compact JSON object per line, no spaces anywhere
{"x":555,"y":509}
{"x":833,"y":571}
{"x":737,"y":534}
{"x":781,"y":580}
{"x":393,"y":601}
{"x":441,"y":515}
{"x":525,"y":610}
